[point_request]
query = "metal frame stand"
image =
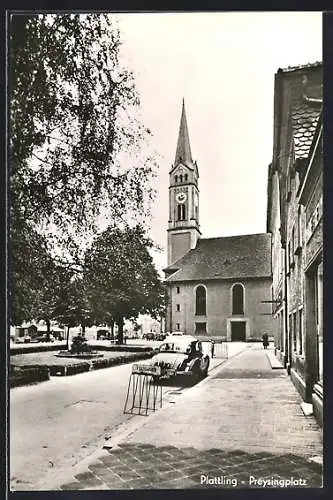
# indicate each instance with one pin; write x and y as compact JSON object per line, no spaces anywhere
{"x":143,"y":394}
{"x":221,"y":350}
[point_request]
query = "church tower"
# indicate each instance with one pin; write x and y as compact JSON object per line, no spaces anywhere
{"x":183,"y":227}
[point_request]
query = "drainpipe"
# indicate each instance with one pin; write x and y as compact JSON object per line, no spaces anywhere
{"x":312,"y":100}
{"x":306,"y":98}
{"x":170,"y":308}
{"x":287,"y":353}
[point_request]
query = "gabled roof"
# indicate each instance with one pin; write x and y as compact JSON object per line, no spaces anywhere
{"x":231,"y":257}
{"x":183,"y":151}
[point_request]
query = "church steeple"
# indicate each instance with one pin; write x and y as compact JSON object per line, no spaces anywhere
{"x":183,"y":151}
{"x":183,"y":225}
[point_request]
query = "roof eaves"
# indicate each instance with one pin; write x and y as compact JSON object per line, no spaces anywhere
{"x":219,"y":278}
{"x":291,"y":69}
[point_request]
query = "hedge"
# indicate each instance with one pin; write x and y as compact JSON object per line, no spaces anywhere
{"x":121,"y":347}
{"x":35,"y":348}
{"x":22,"y":375}
{"x":42,"y":348}
{"x":28,"y":374}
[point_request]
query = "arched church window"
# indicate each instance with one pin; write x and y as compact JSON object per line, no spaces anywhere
{"x":181,"y":178}
{"x":181,"y":212}
{"x":237,"y":299}
{"x":176,"y":178}
{"x":200,"y":301}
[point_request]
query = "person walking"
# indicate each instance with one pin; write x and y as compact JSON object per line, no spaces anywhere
{"x":212,"y":347}
{"x":265,"y":342}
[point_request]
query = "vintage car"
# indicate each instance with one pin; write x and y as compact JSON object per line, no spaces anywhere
{"x":181,"y":355}
{"x":43,"y":337}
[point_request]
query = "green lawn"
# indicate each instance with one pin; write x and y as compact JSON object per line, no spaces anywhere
{"x":50,"y":358}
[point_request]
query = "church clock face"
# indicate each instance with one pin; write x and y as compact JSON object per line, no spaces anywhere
{"x":181,"y":197}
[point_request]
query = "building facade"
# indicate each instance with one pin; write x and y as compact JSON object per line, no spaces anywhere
{"x":297,"y":111}
{"x":218,"y":287}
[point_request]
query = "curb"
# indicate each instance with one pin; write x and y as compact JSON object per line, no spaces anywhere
{"x":111,"y":442}
{"x":125,"y":430}
{"x":273,"y":361}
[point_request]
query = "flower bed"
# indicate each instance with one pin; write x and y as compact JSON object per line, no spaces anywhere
{"x":84,"y":355}
{"x":62,"y":366}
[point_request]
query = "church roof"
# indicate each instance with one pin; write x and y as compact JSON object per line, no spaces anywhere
{"x":183,"y":151}
{"x":231,"y":257}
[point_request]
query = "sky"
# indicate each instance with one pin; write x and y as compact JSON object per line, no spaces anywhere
{"x":223,"y":65}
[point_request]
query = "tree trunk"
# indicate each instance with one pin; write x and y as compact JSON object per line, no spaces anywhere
{"x":83,"y":326}
{"x":67,"y":339}
{"x":48,"y":328}
{"x":112,"y":329}
{"x":120,"y":324}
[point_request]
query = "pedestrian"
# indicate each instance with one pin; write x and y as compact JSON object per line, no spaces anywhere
{"x":265,"y":342}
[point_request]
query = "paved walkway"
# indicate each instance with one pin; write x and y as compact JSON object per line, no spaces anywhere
{"x":242,"y":427}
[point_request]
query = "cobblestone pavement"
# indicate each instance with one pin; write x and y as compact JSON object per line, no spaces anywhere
{"x":241,"y":428}
{"x":144,"y":466}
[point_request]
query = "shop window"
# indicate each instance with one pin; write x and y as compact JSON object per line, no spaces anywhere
{"x":200,"y":301}
{"x":238,"y":299}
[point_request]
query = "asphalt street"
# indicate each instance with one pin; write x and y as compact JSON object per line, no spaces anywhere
{"x":58,"y":423}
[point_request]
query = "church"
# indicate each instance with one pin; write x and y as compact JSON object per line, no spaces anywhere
{"x":219,"y":288}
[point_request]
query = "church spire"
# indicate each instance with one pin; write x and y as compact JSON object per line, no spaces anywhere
{"x":183,"y":152}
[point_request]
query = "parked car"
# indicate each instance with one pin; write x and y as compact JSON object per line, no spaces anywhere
{"x":43,"y":337}
{"x":102,"y":334}
{"x":181,"y":355}
{"x":23,"y":340}
{"x":149,"y":336}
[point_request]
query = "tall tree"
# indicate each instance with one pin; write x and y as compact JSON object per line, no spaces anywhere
{"x":72,"y":120}
{"x":120,"y":275}
{"x":70,"y":102}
